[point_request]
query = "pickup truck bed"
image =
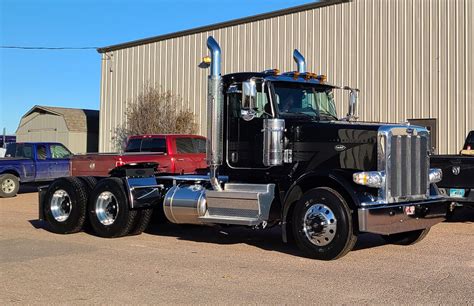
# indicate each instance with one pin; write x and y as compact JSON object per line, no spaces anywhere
{"x":172,"y":153}
{"x":458,"y":176}
{"x":100,"y":164}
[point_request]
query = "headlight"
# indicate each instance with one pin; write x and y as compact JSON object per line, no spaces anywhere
{"x":435,"y":175}
{"x":374,"y":179}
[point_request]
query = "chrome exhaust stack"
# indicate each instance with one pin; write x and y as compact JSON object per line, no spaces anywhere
{"x":300,"y":61}
{"x":215,"y":104}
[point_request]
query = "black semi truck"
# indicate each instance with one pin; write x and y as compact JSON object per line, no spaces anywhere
{"x":277,"y":154}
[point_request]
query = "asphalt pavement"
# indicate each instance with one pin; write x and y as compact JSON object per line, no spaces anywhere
{"x":172,"y":264}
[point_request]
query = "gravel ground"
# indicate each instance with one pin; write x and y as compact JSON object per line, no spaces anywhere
{"x":190,"y":264}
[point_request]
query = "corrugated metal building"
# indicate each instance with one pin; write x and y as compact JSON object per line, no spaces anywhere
{"x":77,"y":129}
{"x":409,"y":58}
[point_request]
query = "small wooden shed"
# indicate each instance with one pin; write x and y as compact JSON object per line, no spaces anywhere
{"x":77,"y":129}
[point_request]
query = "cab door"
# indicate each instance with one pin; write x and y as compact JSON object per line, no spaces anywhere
{"x":59,"y":158}
{"x":44,"y":164}
{"x":190,"y":154}
{"x":245,"y":136}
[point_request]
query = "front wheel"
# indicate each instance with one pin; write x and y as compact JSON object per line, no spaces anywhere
{"x":407,"y":238}
{"x":109,"y":212}
{"x":9,"y":185}
{"x":322,"y":224}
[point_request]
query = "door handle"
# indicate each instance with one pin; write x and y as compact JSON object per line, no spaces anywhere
{"x":180,"y":159}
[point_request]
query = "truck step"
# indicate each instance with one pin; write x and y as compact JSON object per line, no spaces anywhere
{"x":240,"y":204}
{"x":230,"y":220}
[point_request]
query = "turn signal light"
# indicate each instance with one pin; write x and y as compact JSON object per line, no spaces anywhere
{"x":206,"y":59}
{"x":375,"y":179}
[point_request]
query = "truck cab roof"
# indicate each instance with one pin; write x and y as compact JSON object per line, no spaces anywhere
{"x":293,"y":77}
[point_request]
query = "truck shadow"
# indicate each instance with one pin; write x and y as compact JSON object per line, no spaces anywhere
{"x":30,"y":187}
{"x":268,"y":239}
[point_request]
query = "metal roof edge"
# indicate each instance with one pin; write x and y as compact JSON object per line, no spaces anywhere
{"x":221,"y":25}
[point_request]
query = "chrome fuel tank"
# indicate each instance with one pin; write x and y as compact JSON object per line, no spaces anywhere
{"x":185,"y":203}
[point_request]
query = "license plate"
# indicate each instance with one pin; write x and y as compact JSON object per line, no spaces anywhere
{"x":409,"y":210}
{"x":456,"y":193}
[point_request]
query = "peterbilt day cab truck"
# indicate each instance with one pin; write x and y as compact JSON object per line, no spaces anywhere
{"x":31,"y":162}
{"x":173,"y":154}
{"x":277,"y":154}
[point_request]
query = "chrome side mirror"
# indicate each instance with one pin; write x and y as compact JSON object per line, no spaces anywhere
{"x":352,"y":103}
{"x":249,"y":100}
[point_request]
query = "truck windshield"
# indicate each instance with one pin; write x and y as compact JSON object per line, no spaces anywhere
{"x":305,"y":99}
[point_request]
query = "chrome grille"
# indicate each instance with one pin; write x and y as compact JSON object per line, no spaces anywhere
{"x":406,"y":164}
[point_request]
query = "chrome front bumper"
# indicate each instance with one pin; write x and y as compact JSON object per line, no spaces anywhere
{"x":402,"y":217}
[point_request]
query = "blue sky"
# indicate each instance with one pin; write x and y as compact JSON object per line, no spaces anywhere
{"x":72,"y":78}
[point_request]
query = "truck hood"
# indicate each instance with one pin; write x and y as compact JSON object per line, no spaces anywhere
{"x":334,"y":145}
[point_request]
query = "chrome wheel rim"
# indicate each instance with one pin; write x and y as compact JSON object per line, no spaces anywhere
{"x":106,"y":208}
{"x":319,"y":224}
{"x":8,"y":186}
{"x":60,"y":205}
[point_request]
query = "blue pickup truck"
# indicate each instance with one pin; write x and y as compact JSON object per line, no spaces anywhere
{"x":32,"y":162}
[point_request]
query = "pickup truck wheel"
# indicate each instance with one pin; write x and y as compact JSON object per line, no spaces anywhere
{"x":142,"y":221}
{"x":407,"y":238}
{"x":322,"y":224}
{"x":109,"y":212}
{"x":65,"y":205}
{"x":9,"y":185}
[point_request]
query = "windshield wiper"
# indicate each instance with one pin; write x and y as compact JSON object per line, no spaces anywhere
{"x":299,"y":114}
{"x":328,"y":115}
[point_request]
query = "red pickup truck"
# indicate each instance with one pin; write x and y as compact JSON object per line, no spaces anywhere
{"x":173,"y":153}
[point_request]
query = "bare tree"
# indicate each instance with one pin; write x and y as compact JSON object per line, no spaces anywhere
{"x":154,"y":112}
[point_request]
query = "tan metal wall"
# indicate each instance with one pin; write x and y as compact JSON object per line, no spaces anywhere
{"x":410,"y":58}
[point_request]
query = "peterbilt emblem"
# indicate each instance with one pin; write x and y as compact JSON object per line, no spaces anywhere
{"x":456,"y":170}
{"x":92,"y":166}
{"x":339,"y":147}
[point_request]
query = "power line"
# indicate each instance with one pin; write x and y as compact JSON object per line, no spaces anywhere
{"x":47,"y":48}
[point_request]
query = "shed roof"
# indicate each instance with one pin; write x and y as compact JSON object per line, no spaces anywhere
{"x":221,"y":25}
{"x":77,"y":120}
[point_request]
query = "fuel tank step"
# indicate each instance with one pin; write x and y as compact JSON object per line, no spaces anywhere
{"x":239,"y":204}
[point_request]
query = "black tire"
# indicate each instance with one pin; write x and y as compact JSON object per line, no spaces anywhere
{"x":142,"y":221}
{"x":407,"y":238}
{"x":73,"y":204}
{"x":328,"y":232}
{"x":89,"y":181}
{"x":9,"y":185}
{"x":116,"y":219}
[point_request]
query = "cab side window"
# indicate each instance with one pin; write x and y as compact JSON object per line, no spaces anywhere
{"x":133,"y":145}
{"x":185,"y":145}
{"x":41,"y":152}
{"x":199,"y":145}
{"x":59,"y":152}
{"x":262,"y":105}
{"x":20,"y":150}
{"x":153,"y":145}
